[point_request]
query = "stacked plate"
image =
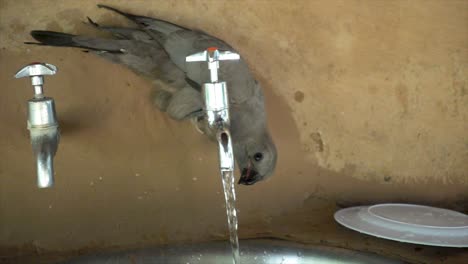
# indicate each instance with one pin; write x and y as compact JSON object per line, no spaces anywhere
{"x":409,"y":223}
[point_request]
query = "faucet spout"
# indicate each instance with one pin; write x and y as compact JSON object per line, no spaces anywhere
{"x":45,"y":142}
{"x":226,"y":154}
{"x":45,"y":170}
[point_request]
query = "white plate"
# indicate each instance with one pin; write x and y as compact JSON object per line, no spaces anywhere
{"x":408,"y":223}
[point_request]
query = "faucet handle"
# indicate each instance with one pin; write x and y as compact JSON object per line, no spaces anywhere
{"x":212,"y":56}
{"x":36,"y":71}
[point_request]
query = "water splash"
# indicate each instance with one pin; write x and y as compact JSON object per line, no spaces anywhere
{"x":230,"y":196}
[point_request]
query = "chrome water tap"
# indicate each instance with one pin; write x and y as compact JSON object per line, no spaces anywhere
{"x":216,"y":99}
{"x":42,"y":122}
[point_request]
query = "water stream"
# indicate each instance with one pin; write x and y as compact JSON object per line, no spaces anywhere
{"x":230,"y":196}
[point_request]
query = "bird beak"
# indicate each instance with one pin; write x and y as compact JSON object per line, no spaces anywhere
{"x":249,"y":175}
{"x":248,"y":178}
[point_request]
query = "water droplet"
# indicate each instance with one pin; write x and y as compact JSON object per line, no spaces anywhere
{"x":137,"y":174}
{"x":140,"y":197}
{"x":100,"y":178}
{"x":91,"y":183}
{"x":194,"y":178}
{"x":50,"y":206}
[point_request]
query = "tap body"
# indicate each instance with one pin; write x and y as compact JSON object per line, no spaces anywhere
{"x":218,"y":119}
{"x":216,"y":98}
{"x":42,"y":123}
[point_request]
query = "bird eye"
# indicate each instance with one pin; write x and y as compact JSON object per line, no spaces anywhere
{"x":258,"y":156}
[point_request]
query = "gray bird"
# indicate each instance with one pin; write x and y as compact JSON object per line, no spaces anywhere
{"x":156,"y":49}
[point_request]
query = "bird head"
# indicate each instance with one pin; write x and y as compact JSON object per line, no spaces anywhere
{"x":256,"y":159}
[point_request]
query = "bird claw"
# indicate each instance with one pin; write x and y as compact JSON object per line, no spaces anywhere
{"x":196,"y":122}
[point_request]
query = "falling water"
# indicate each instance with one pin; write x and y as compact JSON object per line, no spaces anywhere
{"x":230,"y":196}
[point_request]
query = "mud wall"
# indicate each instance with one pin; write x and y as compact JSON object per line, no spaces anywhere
{"x":367,"y":101}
